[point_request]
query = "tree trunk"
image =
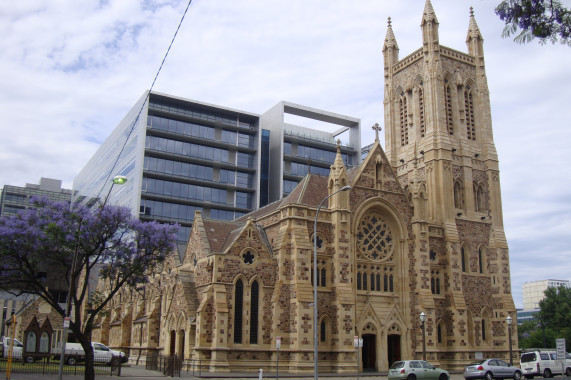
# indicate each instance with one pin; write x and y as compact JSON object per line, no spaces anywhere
{"x":85,"y":341}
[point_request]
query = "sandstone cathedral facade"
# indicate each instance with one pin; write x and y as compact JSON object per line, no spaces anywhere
{"x":420,"y":230}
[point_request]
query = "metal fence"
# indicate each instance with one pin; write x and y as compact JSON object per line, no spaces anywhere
{"x":168,"y":365}
{"x":46,"y":365}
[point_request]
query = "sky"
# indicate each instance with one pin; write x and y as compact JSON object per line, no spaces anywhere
{"x":70,"y":70}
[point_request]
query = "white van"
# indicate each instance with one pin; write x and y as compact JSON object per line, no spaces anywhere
{"x":17,"y":347}
{"x":542,"y":362}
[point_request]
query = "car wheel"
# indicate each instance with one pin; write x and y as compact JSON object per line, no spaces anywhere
{"x":29,"y":359}
{"x":442,"y":377}
{"x":517,"y":375}
{"x":71,"y":361}
{"x":546,"y":373}
{"x":411,"y":377}
{"x":568,"y":372}
{"x":489,"y":376}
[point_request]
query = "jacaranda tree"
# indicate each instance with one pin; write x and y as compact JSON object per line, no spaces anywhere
{"x":544,"y":20}
{"x":38,"y":247}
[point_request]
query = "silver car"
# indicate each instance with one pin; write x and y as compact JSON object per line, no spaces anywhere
{"x":489,"y":369}
{"x":416,"y":370}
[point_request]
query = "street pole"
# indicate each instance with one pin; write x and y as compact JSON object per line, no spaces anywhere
{"x":509,"y":322}
{"x":315,"y":342}
{"x":117,"y":180}
{"x":422,"y":320}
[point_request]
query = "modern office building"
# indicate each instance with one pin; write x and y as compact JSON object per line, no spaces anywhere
{"x":296,"y":151}
{"x":181,"y":155}
{"x":16,"y":198}
{"x":534,"y":291}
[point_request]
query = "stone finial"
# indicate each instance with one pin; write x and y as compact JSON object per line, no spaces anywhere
{"x":473,"y":29}
{"x":390,"y":39}
{"x":338,"y":145}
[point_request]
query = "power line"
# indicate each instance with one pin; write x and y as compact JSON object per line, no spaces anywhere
{"x":144,"y":102}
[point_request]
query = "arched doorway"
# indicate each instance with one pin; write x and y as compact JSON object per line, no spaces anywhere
{"x":393,"y":349}
{"x":369,"y":352}
{"x":172,"y":343}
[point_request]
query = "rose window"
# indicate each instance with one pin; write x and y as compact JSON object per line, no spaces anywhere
{"x":374,"y":238}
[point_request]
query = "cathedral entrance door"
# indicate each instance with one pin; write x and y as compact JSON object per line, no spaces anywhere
{"x":393,"y":349}
{"x":369,"y":352}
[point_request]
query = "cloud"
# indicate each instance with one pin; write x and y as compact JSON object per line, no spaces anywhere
{"x":71,"y":70}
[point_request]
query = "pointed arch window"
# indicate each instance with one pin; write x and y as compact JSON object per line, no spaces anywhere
{"x":403,"y":108}
{"x":238,"y":306}
{"x":479,"y":198}
{"x":254,"y":301}
{"x":458,"y":195}
{"x":439,"y":336}
{"x":359,"y":281}
{"x":448,"y":106}
{"x":469,"y":112}
{"x":463,"y":258}
{"x":421,"y":110}
{"x":323,"y":332}
{"x":435,"y":282}
{"x":480,"y":260}
{"x":483,"y":330}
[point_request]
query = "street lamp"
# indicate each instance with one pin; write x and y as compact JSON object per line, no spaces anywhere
{"x":509,"y":322}
{"x":422,"y":320}
{"x":117,"y":180}
{"x":315,"y":342}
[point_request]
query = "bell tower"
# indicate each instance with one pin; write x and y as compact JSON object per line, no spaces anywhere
{"x":437,"y":111}
{"x":439,"y":138}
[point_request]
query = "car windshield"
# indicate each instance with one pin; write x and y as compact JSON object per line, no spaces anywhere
{"x":397,"y":365}
{"x":16,"y":343}
{"x":529,"y":357}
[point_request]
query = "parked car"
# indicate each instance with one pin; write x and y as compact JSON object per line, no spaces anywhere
{"x":416,"y":370}
{"x":541,"y":362}
{"x":101,"y":353}
{"x":17,"y":347}
{"x":492,"y":369}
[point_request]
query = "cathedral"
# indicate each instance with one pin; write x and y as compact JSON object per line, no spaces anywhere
{"x":415,"y":228}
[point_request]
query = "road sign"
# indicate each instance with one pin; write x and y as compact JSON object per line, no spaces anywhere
{"x":66,"y":322}
{"x":561,"y":349}
{"x":278,"y":342}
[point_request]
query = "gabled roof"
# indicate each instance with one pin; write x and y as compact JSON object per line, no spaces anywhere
{"x":220,"y":233}
{"x":310,"y":191}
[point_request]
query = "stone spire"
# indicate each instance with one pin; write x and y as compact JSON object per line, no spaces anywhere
{"x":428,"y":15}
{"x":474,"y":38}
{"x":338,"y":164}
{"x":390,"y":49}
{"x":337,"y":179}
{"x":429,"y":25}
{"x":390,"y":40}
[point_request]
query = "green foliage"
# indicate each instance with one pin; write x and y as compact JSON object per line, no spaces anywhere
{"x":553,"y":321}
{"x":555,"y":308}
{"x":544,"y":20}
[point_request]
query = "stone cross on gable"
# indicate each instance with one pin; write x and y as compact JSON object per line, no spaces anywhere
{"x":377,"y":128}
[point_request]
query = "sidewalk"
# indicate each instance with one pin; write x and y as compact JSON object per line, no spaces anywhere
{"x":140,"y":373}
